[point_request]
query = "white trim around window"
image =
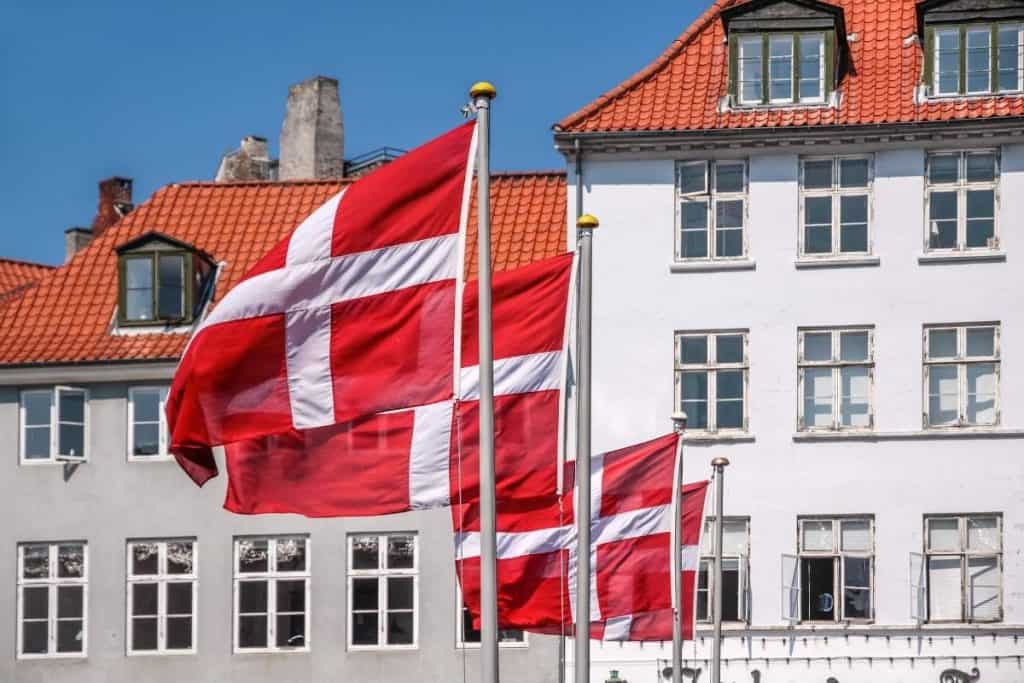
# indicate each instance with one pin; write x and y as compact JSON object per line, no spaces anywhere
{"x":267,"y":568}
{"x":962,"y":574}
{"x":961,"y":375}
{"x":53,"y":600}
{"x":507,"y":637}
{"x":962,"y":202}
{"x":836,"y":379}
{"x":383,"y":591}
{"x":711,"y":211}
{"x":836,"y":208}
{"x":161,"y":597}
{"x":147,"y":424}
{"x":53,"y":426}
{"x":712,"y":380}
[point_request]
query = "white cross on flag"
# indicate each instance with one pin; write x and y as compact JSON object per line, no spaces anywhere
{"x":351,"y":315}
{"x":630,"y":582}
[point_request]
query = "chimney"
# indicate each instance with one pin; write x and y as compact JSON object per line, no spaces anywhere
{"x":75,"y":240}
{"x":312,"y":137}
{"x":251,"y":161}
{"x":115,"y":203}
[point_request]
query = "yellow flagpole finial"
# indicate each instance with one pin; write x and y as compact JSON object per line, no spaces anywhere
{"x":587,"y":221}
{"x":483,"y":89}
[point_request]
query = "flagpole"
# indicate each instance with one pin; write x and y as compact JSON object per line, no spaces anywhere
{"x":679,"y":424}
{"x":482,"y":94}
{"x":719,"y":464}
{"x":585,"y":225}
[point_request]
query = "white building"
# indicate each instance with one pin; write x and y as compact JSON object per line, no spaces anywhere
{"x":809,"y":218}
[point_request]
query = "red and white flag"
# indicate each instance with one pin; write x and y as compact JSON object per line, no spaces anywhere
{"x":426,"y":456}
{"x":351,"y":315}
{"x":631,"y":504}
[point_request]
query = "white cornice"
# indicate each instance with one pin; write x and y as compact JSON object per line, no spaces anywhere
{"x":87,"y":373}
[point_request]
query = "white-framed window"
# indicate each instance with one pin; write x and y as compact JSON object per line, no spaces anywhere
{"x":963,"y":567}
{"x":52,"y":599}
{"x":962,"y":201}
{"x":835,"y":206}
{"x":832,"y":579}
{"x":466,"y":635}
{"x":54,"y":425}
{"x":383,"y":591}
{"x":711,"y":380}
{"x":712,"y":211}
{"x":735,"y":571}
{"x":147,"y":424}
{"x":961,"y":375}
{"x":835,"y":373}
{"x":271,"y":596}
{"x":161,"y":596}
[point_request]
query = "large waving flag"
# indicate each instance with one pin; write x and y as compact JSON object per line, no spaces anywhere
{"x":415,"y":459}
{"x":630,"y":580}
{"x":351,"y":315}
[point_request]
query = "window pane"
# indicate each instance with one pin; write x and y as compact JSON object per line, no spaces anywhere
{"x":853,"y":346}
{"x":72,"y":406}
{"x":179,"y":633}
{"x":781,"y":67}
{"x":702,"y":607}
{"x":817,"y":578}
{"x":291,"y":630}
{"x":943,"y":395}
{"x":36,"y":561}
{"x":35,"y":602}
{"x":983,"y":533}
{"x":855,"y":405}
{"x":695,"y":229}
{"x":37,"y":407}
{"x":364,"y":628}
{"x":980,"y":217}
{"x":252,"y":631}
{"x":400,"y":592}
{"x":979,"y":59}
{"x":171,"y":300}
{"x":71,"y":440}
{"x":37,"y":443}
{"x":69,"y":602}
{"x":365,"y":552}
{"x":693,"y":350}
{"x":252,"y":596}
{"x":253,"y":555}
{"x":981,"y":341}
{"x":730,"y":590}
{"x":729,"y":348}
{"x":179,"y":598}
{"x":853,"y":218}
{"x":981,"y":394}
{"x":818,"y":174}
{"x":729,"y":228}
{"x":818,"y":225}
{"x":857,"y":587}
{"x":728,"y":177}
{"x":694,"y":389}
{"x":180,"y":558}
{"x":144,"y":633}
{"x":146,"y":439}
{"x":855,"y":536}
{"x":139,"y":304}
{"x":942,"y":209}
{"x":818,"y":346}
{"x":947,"y":61}
{"x":750,"y":70}
{"x":853,"y":173}
{"x":943,"y":533}
{"x":810,"y":67}
{"x":291,"y":596}
{"x":70,"y":635}
{"x":693,"y":178}
{"x":943,"y":168}
{"x":364,"y":594}
{"x":734,"y":537}
{"x":817,"y":535}
{"x":144,"y":599}
{"x":944,"y":589}
{"x":34,"y":637}
{"x":146,"y":405}
{"x":291,"y":555}
{"x":941,"y":344}
{"x":981,"y":168}
{"x":70,"y":561}
{"x":139,"y":289}
{"x":1009,"y":57}
{"x":983,"y":588}
{"x":401,"y":552}
{"x":400,"y":628}
{"x":818,"y":397}
{"x":729,"y":405}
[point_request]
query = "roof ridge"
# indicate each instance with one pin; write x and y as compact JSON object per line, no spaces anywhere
{"x":261,"y":183}
{"x":662,"y":60}
{"x":529,"y":172}
{"x":23,"y":262}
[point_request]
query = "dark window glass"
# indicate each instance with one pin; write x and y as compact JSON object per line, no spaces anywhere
{"x":144,"y":633}
{"x":70,"y":635}
{"x":818,"y":225}
{"x":692,"y":178}
{"x":171,"y":300}
{"x":942,"y":212}
{"x":400,"y":628}
{"x":34,"y":637}
{"x":817,"y":577}
{"x":291,"y":630}
{"x":252,"y":596}
{"x":729,"y":348}
{"x":36,"y":602}
{"x":252,"y":631}
{"x":179,"y":633}
{"x":728,"y":177}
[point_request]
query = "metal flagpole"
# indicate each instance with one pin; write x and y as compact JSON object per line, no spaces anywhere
{"x":585,"y":225}
{"x":482,"y":94}
{"x":679,"y":422}
{"x":719,"y":464}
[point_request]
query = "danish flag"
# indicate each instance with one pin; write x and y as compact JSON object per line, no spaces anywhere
{"x":353,"y":314}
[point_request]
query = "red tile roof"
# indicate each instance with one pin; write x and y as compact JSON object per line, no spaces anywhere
{"x":67,"y":317}
{"x":17,"y":276}
{"x":681,"y":89}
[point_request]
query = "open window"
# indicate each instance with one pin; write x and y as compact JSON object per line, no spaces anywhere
{"x":735,"y":571}
{"x":162,"y":281}
{"x":54,"y":425}
{"x":834,"y":572}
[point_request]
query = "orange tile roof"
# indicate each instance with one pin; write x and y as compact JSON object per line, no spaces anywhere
{"x":681,"y":89}
{"x":67,"y":317}
{"x":17,"y":276}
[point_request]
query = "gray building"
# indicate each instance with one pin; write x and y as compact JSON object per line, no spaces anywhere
{"x":116,"y":567}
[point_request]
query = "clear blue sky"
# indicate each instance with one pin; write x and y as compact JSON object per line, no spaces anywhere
{"x":158,"y":91}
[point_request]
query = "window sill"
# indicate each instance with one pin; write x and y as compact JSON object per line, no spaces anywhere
{"x":962,"y":257}
{"x":923,"y":434}
{"x":150,"y":458}
{"x":51,"y":463}
{"x":383,"y":648}
{"x":702,"y":438}
{"x":837,"y":262}
{"x":273,"y":651}
{"x":842,"y":629}
{"x":475,"y":647}
{"x":712,"y":266}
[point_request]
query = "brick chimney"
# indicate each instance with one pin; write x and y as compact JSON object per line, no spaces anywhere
{"x":75,"y":240}
{"x":312,"y":137}
{"x":115,"y":202}
{"x":251,"y":161}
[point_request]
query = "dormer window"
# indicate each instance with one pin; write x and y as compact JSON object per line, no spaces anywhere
{"x":784,"y":52}
{"x":972,"y":48}
{"x":162,"y":281}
